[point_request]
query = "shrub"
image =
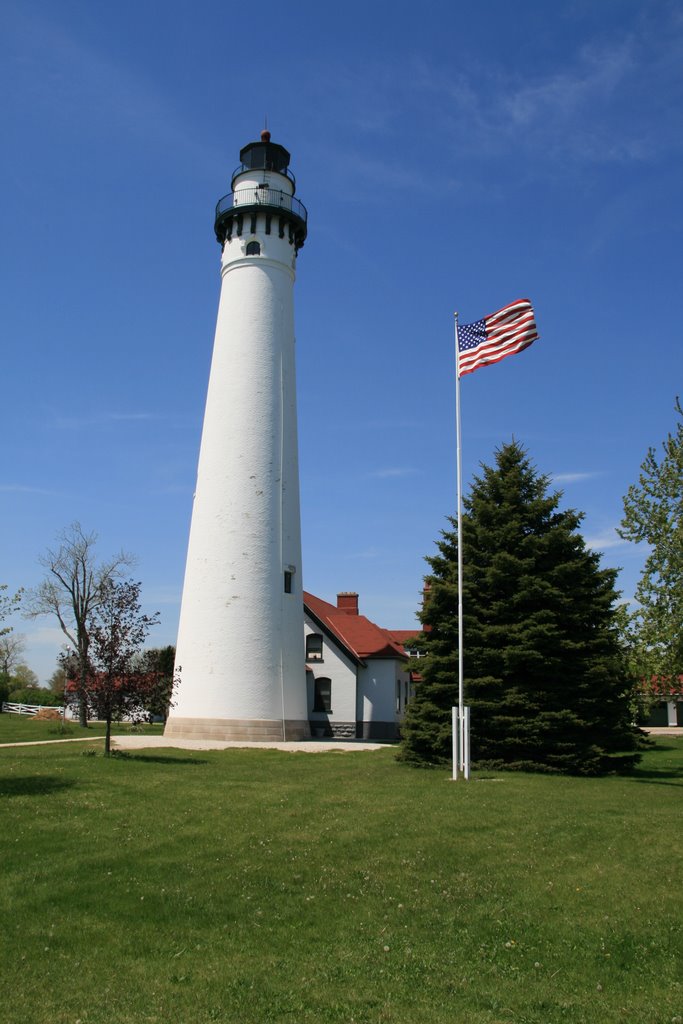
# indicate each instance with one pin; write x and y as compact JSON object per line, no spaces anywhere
{"x":35,"y":695}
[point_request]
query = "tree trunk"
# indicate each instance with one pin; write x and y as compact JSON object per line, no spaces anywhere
{"x":107,"y":738}
{"x":82,"y":705}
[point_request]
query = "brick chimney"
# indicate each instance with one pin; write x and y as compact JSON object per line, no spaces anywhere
{"x":347,"y":602}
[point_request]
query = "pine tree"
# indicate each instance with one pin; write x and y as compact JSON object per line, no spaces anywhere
{"x":543,"y":670}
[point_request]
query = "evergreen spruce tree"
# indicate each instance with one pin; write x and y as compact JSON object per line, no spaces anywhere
{"x":543,"y":670}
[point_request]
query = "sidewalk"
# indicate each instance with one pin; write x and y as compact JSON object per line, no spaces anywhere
{"x":41,"y":743}
{"x":312,"y":746}
{"x":294,"y":746}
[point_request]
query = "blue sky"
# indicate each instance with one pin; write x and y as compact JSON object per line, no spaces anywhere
{"x":451,"y":156}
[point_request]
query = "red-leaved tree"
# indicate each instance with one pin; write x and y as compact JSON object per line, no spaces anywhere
{"x":113,"y":686}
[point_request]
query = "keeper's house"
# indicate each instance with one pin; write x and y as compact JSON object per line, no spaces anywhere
{"x":666,"y":708}
{"x":356,"y":672}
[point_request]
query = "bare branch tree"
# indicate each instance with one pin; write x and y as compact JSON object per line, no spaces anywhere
{"x":74,"y":587}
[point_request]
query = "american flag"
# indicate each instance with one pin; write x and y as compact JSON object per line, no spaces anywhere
{"x":501,"y":334}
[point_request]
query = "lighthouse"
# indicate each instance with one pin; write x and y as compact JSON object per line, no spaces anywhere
{"x":240,"y":667}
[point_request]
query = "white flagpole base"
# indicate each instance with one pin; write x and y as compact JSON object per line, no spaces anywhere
{"x":460,"y":724}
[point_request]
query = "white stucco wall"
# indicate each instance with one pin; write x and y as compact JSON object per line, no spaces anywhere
{"x":377,"y":690}
{"x":341,"y":670}
{"x":239,"y":639}
{"x":253,"y":178}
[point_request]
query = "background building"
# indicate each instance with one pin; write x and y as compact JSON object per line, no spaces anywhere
{"x":358,"y":684}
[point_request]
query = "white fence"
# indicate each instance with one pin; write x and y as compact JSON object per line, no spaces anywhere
{"x":28,"y":709}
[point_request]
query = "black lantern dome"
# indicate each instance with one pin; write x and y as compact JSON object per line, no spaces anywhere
{"x":264,"y":155}
{"x":266,"y":197}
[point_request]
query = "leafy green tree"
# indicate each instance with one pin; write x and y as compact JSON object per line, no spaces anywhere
{"x":57,"y":681}
{"x":25,"y":677}
{"x":11,"y":648}
{"x":7,"y":606}
{"x":653,"y":515}
{"x":20,"y":694}
{"x":543,"y":670}
{"x":157,"y":664}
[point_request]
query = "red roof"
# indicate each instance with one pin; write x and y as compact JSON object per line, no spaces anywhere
{"x":401,"y":636}
{"x":362,"y":638}
{"x":664,"y":687}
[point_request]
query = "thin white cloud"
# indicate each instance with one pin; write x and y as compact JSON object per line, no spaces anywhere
{"x":100,"y":419}
{"x":596,"y":73}
{"x":172,"y":489}
{"x":78,"y":83}
{"x":573,"y":478}
{"x":23,"y":489}
{"x":45,"y":636}
{"x":161,"y":595}
{"x":595,"y":107}
{"x":133,"y":416}
{"x":390,"y":423}
{"x":607,"y":539}
{"x":367,"y":172}
{"x":391,"y":472}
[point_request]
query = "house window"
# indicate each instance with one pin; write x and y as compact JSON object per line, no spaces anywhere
{"x":314,"y":647}
{"x":288,"y":583}
{"x":398,"y":696}
{"x":322,"y":700}
{"x":253,"y":248}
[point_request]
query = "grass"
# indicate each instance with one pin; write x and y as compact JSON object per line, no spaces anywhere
{"x":25,"y":729}
{"x":255,"y":886}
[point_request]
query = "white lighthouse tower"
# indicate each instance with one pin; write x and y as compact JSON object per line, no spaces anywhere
{"x":239,"y":659}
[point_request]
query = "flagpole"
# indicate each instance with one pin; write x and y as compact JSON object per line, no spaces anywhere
{"x":458,"y":431}
{"x":510,"y":330}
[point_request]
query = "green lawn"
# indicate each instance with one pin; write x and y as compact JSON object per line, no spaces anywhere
{"x":25,"y":729}
{"x":255,"y":886}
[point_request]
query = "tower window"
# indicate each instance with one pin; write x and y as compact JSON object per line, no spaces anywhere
{"x":322,"y":695}
{"x":314,"y":647}
{"x":288,"y":582}
{"x":253,"y":248}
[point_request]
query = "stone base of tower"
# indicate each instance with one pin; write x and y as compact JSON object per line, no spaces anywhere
{"x":253,"y":729}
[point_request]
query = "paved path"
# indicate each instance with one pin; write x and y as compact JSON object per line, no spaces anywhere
{"x":146,"y":742}
{"x":309,"y":746}
{"x":40,"y":743}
